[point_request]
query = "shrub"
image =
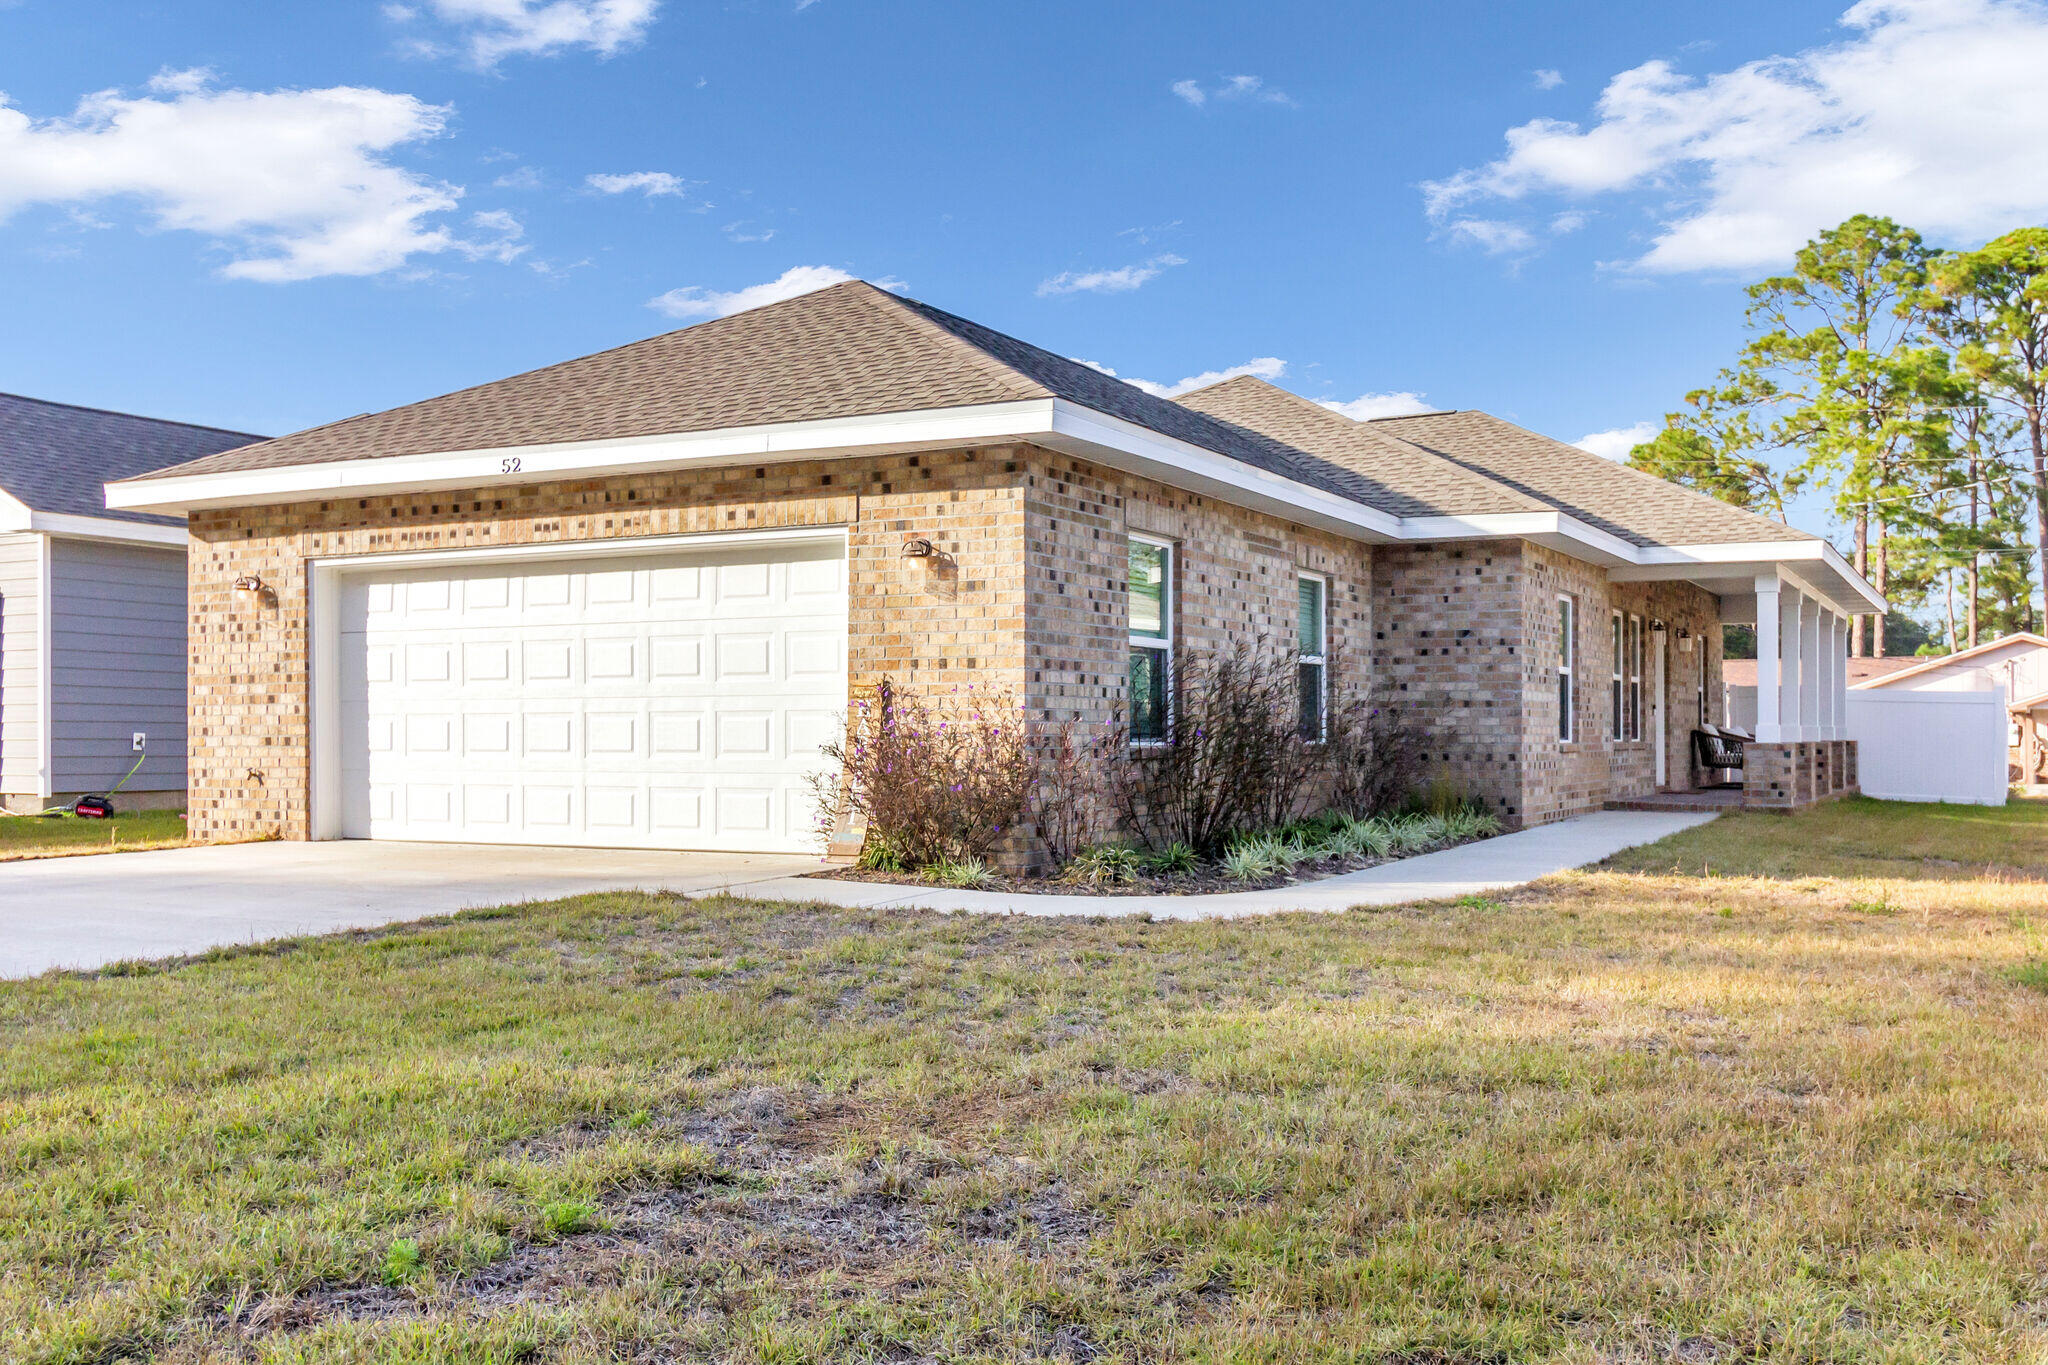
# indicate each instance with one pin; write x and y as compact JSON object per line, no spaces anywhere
{"x":1061,"y":799}
{"x":1174,"y":858}
{"x":966,"y":873}
{"x":936,"y":779}
{"x":1375,"y":838}
{"x":1105,"y":865}
{"x":1236,"y":760}
{"x":1373,"y":753}
{"x":1252,"y":860}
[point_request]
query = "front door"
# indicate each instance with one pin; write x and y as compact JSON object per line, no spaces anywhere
{"x":1661,"y":744}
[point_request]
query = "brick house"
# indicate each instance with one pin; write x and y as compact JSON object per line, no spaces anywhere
{"x":621,"y":601}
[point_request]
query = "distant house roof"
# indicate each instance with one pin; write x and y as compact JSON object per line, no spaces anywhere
{"x":1742,"y":672}
{"x":2023,"y":638}
{"x":55,"y":457}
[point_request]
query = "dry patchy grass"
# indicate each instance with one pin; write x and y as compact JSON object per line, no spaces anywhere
{"x":1624,"y":1116}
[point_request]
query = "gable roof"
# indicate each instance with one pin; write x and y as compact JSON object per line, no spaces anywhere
{"x":56,"y":457}
{"x":848,"y":351}
{"x":1638,"y":507}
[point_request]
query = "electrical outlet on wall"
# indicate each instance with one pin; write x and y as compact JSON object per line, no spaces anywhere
{"x":137,"y":743}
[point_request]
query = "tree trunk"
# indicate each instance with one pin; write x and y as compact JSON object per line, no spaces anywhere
{"x":1948,"y":580}
{"x":2035,"y":417}
{"x":1862,"y":567}
{"x":1877,"y":624}
{"x":1976,"y":475}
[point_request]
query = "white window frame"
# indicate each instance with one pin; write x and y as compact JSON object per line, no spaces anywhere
{"x":1636,"y":640}
{"x":1321,"y":657}
{"x":1617,"y":692}
{"x":1161,"y":643}
{"x":1568,"y":668}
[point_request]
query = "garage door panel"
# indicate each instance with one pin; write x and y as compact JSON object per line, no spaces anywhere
{"x":673,"y":701}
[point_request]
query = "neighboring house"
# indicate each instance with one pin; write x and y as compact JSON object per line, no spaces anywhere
{"x":2018,"y":664}
{"x":92,"y":605}
{"x":623,"y":600}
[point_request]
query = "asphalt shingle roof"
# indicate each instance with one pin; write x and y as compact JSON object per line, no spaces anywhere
{"x":854,"y":350}
{"x":1638,"y":507}
{"x":55,"y":457}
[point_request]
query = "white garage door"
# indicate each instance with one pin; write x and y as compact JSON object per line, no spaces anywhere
{"x":662,"y":701}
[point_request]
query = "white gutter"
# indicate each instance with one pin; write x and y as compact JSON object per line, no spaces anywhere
{"x":1053,"y":423}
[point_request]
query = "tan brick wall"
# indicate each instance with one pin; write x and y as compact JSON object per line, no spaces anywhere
{"x":1235,"y":575}
{"x":1450,"y":627}
{"x":1026,"y":594}
{"x":953,"y":619}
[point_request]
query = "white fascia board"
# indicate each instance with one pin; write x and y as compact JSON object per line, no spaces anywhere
{"x":1078,"y":430}
{"x":73,"y":527}
{"x":14,"y":513}
{"x":1807,"y":562}
{"x":506,"y":466}
{"x":1558,"y":530}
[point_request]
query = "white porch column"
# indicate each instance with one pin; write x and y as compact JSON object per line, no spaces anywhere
{"x":1768,"y":617}
{"x":1838,"y":650}
{"x":1791,"y":602}
{"x":1810,"y":677}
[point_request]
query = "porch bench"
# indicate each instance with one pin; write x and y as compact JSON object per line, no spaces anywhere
{"x":1714,"y":750}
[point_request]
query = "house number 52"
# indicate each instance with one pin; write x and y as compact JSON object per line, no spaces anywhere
{"x":509,"y":465}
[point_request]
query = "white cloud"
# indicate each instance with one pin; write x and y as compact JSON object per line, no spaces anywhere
{"x":1547,"y":78}
{"x":485,"y":32}
{"x":1120,"y":281}
{"x":294,"y":184}
{"x":1492,"y":235}
{"x":1251,"y":88}
{"x":1617,"y":442}
{"x":1265,"y":367}
{"x":1930,"y":111}
{"x":693,"y":301}
{"x":649,"y":183}
{"x":744,"y":231}
{"x":1368,"y":406}
{"x":181,"y":81}
{"x":519,"y":178}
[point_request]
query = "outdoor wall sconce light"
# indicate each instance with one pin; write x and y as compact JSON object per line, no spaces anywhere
{"x":1684,"y":640}
{"x":249,"y":583}
{"x":917,"y":548}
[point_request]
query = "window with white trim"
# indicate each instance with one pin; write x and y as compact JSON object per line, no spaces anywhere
{"x":1151,"y":595}
{"x":1311,"y":669}
{"x":1635,"y":677}
{"x":1617,"y":701}
{"x":1567,"y":664}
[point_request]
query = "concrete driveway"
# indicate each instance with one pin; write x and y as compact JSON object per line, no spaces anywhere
{"x":88,"y":911}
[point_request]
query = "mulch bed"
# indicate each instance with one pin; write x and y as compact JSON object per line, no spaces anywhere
{"x":1205,"y":881}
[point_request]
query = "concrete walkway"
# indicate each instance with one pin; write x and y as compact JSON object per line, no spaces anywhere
{"x":85,"y":912}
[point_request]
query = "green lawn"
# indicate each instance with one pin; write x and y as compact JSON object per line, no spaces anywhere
{"x":35,"y":836}
{"x":1623,"y":1116}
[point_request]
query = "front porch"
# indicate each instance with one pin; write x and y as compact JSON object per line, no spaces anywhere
{"x":1801,"y":753}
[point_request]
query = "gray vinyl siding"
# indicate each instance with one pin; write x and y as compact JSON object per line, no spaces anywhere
{"x":117,"y":645}
{"x":21,"y":556}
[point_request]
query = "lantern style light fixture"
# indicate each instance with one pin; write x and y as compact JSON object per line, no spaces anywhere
{"x":917,"y":547}
{"x":249,"y":583}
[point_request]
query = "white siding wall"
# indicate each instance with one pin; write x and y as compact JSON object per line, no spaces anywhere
{"x":20,"y":674}
{"x":117,"y":643}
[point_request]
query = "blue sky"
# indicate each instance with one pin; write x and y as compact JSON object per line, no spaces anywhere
{"x":268,"y":216}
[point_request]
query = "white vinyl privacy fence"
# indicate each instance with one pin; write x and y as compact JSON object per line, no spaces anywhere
{"x":1930,"y":746}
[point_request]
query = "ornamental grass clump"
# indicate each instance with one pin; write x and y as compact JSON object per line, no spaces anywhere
{"x":938,"y":779}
